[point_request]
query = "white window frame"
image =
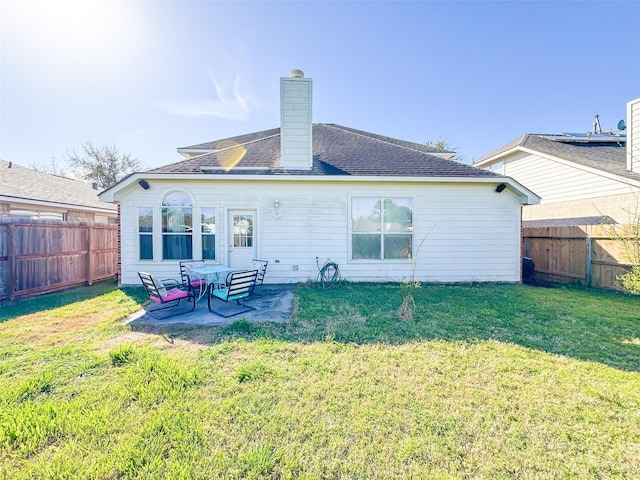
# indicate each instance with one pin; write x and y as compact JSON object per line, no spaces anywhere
{"x":201,"y":235}
{"x":151,"y":234}
{"x":162,"y":233}
{"x":382,"y":198}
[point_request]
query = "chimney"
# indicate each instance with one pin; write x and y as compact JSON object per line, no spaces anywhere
{"x":633,"y":135}
{"x":295,"y":122}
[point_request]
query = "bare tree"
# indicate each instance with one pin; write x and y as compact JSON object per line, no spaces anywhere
{"x":53,"y":167}
{"x":444,"y":144}
{"x":103,"y":165}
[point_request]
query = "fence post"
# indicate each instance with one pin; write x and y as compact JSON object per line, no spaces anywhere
{"x":11,"y":279}
{"x":588,"y":264}
{"x":90,"y":255}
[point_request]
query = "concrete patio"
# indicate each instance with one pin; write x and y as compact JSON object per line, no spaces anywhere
{"x":275,"y":304}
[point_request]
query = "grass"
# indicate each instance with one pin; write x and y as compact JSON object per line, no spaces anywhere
{"x":487,"y":381}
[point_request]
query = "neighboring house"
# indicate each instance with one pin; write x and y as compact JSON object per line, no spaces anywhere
{"x":304,"y":193}
{"x":581,"y":178}
{"x":26,"y":193}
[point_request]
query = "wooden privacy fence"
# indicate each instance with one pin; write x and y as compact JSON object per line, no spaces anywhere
{"x":40,"y":257}
{"x":589,"y":255}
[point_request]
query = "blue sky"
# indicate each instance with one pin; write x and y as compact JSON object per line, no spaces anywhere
{"x":151,"y":76}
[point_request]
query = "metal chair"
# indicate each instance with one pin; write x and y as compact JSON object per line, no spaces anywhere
{"x":261,"y":267}
{"x":165,"y":292}
{"x":192,"y":282}
{"x":238,"y":287}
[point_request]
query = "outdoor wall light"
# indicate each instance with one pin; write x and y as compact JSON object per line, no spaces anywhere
{"x":276,"y":206}
{"x":501,"y":187}
{"x":144,"y":184}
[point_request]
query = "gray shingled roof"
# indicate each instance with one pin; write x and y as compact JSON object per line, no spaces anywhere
{"x":337,"y":150}
{"x":608,"y":157}
{"x":569,"y":222}
{"x":24,"y":183}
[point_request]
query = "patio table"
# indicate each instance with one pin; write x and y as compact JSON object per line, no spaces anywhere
{"x":211,"y":275}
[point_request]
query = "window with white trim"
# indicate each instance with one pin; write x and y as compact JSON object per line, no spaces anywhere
{"x":381,"y":228}
{"x":177,"y":227}
{"x":145,"y":232}
{"x":208,"y":230}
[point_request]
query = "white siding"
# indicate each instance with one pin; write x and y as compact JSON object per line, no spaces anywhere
{"x":472,"y":232}
{"x":295,"y":123}
{"x":554,"y":181}
{"x":633,"y":135}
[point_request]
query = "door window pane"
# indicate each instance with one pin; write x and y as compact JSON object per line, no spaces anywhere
{"x":243,"y":231}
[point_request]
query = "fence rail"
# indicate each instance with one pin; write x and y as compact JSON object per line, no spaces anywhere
{"x":38,"y":257}
{"x":591,"y":255}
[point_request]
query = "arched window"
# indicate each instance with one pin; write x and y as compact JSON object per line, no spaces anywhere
{"x":177,"y":227}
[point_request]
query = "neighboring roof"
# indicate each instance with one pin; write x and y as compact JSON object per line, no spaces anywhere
{"x":21,"y":183}
{"x":607,"y":156}
{"x":337,"y":150}
{"x":569,"y":222}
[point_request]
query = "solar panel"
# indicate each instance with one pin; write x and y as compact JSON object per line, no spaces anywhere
{"x":586,"y":137}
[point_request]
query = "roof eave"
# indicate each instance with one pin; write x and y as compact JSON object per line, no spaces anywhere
{"x":188,"y":152}
{"x":485,"y":162}
{"x":74,"y":206}
{"x":526,"y":196}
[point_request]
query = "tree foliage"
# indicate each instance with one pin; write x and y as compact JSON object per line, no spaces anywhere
{"x":628,"y":235}
{"x":52,"y":168}
{"x":444,"y":144}
{"x":103,"y":165}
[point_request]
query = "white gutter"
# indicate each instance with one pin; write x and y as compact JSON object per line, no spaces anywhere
{"x":527,"y":195}
{"x":45,"y":203}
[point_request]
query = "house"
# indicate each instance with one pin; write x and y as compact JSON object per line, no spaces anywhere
{"x":304,"y":193}
{"x":29,"y":194}
{"x":581,"y":178}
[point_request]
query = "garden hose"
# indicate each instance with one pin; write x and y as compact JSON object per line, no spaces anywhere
{"x":329,"y":274}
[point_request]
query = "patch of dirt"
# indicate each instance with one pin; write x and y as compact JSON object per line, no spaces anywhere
{"x":135,"y":338}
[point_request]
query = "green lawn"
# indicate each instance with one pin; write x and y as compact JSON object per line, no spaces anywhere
{"x":487,"y":381}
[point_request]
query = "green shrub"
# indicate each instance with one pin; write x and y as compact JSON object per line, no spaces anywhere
{"x":630,"y":280}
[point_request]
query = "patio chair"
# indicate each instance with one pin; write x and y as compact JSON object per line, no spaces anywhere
{"x":261,"y":267}
{"x":192,"y":282}
{"x":238,"y":287}
{"x":165,"y":292}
